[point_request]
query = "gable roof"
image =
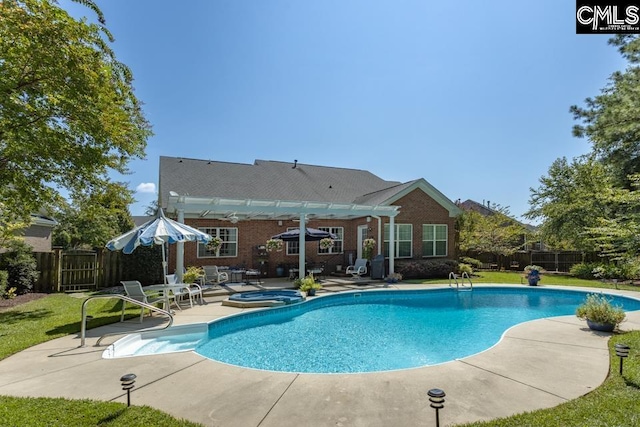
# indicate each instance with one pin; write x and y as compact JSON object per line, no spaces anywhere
{"x":392,"y":194}
{"x":263,"y":189}
{"x":269,"y":180}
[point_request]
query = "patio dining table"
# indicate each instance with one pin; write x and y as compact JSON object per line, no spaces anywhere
{"x":165,"y":289}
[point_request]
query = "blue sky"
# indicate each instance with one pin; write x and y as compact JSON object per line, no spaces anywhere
{"x":472,"y":96}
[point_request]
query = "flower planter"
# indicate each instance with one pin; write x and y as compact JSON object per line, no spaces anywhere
{"x":602,"y":327}
{"x":533,"y":282}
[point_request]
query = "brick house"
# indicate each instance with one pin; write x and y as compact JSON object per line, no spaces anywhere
{"x":246,"y":204}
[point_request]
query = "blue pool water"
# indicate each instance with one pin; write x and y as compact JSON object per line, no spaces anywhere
{"x":382,"y":330}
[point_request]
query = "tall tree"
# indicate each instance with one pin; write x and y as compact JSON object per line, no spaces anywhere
{"x":572,"y":198}
{"x":496,"y":234}
{"x":94,"y":218}
{"x":618,"y":235}
{"x":68,"y":113}
{"x":594,"y":202}
{"x":611,"y":120}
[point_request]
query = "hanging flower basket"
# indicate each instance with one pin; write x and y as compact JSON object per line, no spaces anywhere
{"x":326,"y":243}
{"x":274,"y":245}
{"x":214,"y":244}
{"x":368,"y":245}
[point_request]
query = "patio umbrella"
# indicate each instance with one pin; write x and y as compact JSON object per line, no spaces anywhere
{"x":311,"y":234}
{"x":157,"y":232}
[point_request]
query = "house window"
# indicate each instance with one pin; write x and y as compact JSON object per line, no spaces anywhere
{"x":293,"y":248}
{"x":403,"y":240}
{"x":434,"y":240}
{"x":229,"y":247}
{"x":337,"y":243}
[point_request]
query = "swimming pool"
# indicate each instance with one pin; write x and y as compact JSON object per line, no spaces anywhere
{"x":379,"y":330}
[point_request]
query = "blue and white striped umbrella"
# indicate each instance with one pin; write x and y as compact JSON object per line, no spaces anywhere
{"x":157,"y":232}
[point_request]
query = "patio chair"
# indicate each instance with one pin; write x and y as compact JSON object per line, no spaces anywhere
{"x":133,"y":289}
{"x":358,"y":269}
{"x":213,"y":275}
{"x":182,"y":290}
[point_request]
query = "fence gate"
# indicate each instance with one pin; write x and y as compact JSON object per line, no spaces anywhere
{"x":78,"y":271}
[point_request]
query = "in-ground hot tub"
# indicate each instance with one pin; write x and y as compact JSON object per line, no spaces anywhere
{"x":264,"y":298}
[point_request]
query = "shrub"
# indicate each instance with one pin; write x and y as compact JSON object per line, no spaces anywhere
{"x":597,"y":308}
{"x":475,"y":263}
{"x":583,"y":270}
{"x":21,"y":267}
{"x":629,"y":269}
{"x":465,"y":268}
{"x":426,"y":269}
{"x":606,"y":271}
{"x":144,"y":264}
{"x":4,"y":284}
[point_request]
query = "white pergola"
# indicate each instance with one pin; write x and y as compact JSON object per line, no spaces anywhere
{"x":234,"y":210}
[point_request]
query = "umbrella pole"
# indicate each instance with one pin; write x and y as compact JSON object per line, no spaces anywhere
{"x":164,"y":265}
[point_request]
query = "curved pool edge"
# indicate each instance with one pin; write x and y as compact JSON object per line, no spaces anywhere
{"x":130,"y":345}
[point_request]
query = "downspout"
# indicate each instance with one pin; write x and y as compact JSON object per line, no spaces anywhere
{"x":380,"y":242}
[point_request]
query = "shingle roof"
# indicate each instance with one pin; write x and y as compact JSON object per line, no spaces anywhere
{"x":270,"y":180}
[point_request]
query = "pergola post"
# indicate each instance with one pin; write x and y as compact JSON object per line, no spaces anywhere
{"x":392,"y":243}
{"x":302,"y":244}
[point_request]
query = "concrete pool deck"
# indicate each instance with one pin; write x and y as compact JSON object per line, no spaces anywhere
{"x":538,"y":364}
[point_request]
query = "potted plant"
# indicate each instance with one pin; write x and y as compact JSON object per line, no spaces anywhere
{"x":192,"y":274}
{"x":600,"y":314}
{"x":532,"y":273}
{"x":308,"y":285}
{"x":393,"y":278}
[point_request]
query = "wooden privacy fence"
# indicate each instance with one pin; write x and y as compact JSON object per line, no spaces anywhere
{"x":561,"y":261}
{"x":62,"y":271}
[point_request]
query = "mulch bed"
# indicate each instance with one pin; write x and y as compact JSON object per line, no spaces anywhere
{"x":6,"y":304}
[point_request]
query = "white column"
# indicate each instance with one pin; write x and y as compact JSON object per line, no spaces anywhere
{"x":180,"y":251}
{"x":380,"y":234}
{"x":392,"y":243}
{"x":302,"y":241}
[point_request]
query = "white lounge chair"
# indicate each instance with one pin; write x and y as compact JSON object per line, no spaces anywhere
{"x":133,"y":289}
{"x":358,"y":269}
{"x":182,"y":290}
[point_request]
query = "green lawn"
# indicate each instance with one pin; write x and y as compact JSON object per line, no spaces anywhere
{"x":509,"y":277}
{"x":52,"y":317}
{"x":612,"y":404}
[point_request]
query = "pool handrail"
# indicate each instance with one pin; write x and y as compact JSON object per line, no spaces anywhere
{"x":83,"y":321}
{"x":454,"y":276}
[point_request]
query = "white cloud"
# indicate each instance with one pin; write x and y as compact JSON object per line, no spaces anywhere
{"x":146,"y":187}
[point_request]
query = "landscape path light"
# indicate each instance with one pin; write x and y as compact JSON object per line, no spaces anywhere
{"x":622,"y":351}
{"x":128,"y":382}
{"x":436,"y":397}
